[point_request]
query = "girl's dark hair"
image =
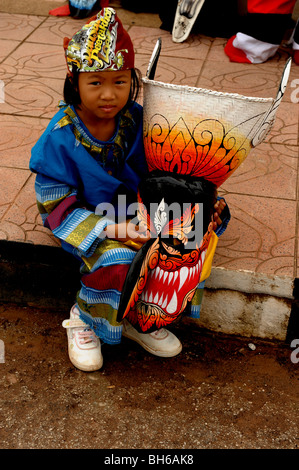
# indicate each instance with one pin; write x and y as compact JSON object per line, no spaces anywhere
{"x":71,"y":89}
{"x":135,"y":84}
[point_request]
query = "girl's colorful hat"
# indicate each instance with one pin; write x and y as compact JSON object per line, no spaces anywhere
{"x":100,"y":45}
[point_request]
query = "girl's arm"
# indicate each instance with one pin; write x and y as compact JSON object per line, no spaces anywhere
{"x":65,"y":215}
{"x":127,"y":231}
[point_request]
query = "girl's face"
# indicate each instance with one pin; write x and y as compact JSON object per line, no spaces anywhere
{"x":103,"y":94}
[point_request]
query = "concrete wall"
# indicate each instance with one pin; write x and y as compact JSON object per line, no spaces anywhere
{"x":247,"y":304}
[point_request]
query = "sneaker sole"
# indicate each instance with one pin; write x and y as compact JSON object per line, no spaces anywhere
{"x":85,"y":368}
{"x":154,"y":351}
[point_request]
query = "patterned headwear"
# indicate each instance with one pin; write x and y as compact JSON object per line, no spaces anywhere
{"x":100,"y":45}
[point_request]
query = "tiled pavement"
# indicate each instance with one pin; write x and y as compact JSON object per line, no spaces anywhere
{"x":262,"y":195}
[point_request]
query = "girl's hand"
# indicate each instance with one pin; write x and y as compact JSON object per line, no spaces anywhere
{"x":219,"y":206}
{"x":127,"y":231}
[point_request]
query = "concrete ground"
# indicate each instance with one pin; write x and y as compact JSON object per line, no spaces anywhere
{"x":221,"y":392}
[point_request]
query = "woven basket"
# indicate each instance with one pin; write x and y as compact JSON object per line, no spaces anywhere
{"x":203,"y":133}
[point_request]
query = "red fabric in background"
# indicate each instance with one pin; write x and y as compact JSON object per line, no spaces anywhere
{"x":61,"y":11}
{"x":278,"y":7}
{"x":235,"y":54}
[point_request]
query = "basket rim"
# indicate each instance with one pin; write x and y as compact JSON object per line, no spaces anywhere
{"x":193,"y":90}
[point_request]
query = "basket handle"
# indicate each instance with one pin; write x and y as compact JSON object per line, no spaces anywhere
{"x":151,"y":70}
{"x":268,"y":121}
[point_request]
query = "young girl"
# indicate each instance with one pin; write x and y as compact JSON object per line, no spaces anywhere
{"x":92,"y":153}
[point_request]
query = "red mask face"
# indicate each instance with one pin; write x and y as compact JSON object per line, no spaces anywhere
{"x":169,"y":280}
{"x":168,"y":270}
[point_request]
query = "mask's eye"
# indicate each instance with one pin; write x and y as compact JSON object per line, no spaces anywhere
{"x":173,"y":241}
{"x":170,"y":249}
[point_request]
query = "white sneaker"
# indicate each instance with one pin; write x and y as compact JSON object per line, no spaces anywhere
{"x":161,"y":342}
{"x":84,"y":346}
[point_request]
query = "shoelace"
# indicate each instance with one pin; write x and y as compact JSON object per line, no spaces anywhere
{"x":159,"y":333}
{"x":86,"y":336}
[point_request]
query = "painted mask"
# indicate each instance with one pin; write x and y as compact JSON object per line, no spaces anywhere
{"x":194,"y":140}
{"x":177,"y":211}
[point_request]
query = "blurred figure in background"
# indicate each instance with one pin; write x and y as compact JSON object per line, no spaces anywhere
{"x":262,"y":30}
